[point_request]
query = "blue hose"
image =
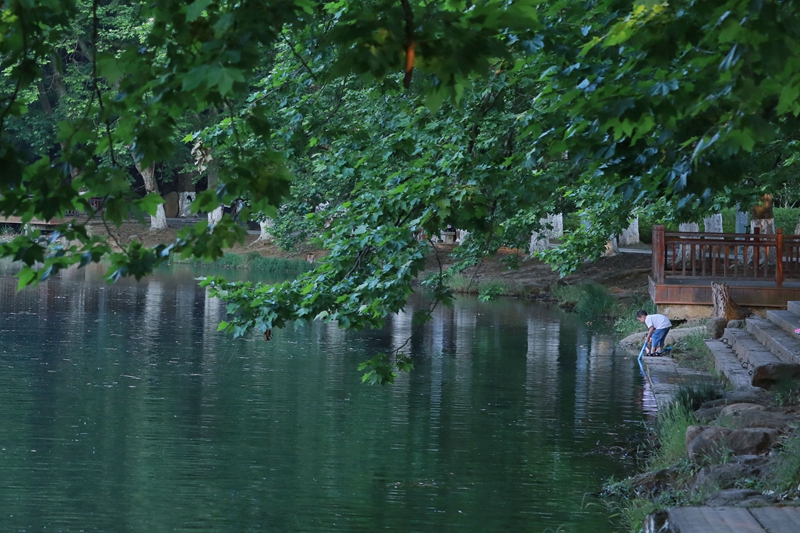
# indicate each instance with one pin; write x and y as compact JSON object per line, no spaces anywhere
{"x":641,"y":353}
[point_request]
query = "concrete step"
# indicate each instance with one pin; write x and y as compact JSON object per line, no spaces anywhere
{"x":763,"y":367}
{"x":748,"y":349}
{"x":786,"y":320}
{"x":794,"y":307}
{"x":728,"y":365}
{"x":783,"y":345}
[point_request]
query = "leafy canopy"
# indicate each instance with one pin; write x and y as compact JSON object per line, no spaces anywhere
{"x":374,"y":124}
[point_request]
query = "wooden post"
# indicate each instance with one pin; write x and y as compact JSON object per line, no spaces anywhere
{"x":779,"y":258}
{"x":756,"y":252}
{"x":659,"y":254}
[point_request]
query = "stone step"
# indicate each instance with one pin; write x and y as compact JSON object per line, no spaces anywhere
{"x":786,"y":320}
{"x":763,"y":367}
{"x":748,"y":349}
{"x":794,"y":307}
{"x":728,"y":365}
{"x":783,"y":345}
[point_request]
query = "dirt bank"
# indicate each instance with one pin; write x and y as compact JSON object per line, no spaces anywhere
{"x":625,"y":274}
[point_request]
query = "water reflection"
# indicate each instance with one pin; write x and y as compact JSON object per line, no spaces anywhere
{"x":123,"y":409}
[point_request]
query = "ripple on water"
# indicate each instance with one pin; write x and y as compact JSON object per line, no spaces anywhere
{"x":125,"y":410}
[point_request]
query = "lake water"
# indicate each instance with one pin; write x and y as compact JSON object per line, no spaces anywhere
{"x":122,"y":409}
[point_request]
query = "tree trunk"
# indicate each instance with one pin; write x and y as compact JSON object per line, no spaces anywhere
{"x":612,"y":247}
{"x":762,"y":216}
{"x":159,"y":221}
{"x":539,"y":242}
{"x":686,"y":227}
{"x":724,"y":306}
{"x":554,"y":226}
{"x":264,"y":236}
{"x":215,"y":215}
{"x":630,"y":235}
{"x":713,"y":224}
{"x":742,"y":222}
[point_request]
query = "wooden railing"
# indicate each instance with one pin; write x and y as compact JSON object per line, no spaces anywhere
{"x":742,"y":256}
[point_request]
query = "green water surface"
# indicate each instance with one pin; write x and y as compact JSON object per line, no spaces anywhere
{"x":122,"y":409}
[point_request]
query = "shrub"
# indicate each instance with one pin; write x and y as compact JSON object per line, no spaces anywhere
{"x":589,"y":300}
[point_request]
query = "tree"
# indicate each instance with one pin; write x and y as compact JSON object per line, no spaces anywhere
{"x":403,"y":118}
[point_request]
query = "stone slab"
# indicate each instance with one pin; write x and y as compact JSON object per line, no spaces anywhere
{"x":728,"y":365}
{"x":713,"y":520}
{"x":666,"y":376}
{"x":778,"y":519}
{"x":783,"y":345}
{"x":786,"y":320}
{"x":748,"y":349}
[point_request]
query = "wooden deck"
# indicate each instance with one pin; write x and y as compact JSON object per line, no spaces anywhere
{"x":732,"y":520}
{"x":761,"y":270}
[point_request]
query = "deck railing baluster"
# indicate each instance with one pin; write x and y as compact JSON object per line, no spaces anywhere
{"x":725,"y":262}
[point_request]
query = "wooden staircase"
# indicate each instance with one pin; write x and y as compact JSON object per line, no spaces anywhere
{"x":762,"y":353}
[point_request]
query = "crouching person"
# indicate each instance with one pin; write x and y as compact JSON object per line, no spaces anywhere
{"x":657,"y":328}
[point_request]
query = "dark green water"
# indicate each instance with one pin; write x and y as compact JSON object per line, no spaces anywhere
{"x":122,"y":409}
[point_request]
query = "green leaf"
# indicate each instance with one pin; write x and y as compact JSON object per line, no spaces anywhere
{"x":196,"y":8}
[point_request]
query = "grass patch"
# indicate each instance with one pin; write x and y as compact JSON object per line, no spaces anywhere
{"x":251,"y":261}
{"x":786,"y":473}
{"x":692,"y":352}
{"x":671,"y":430}
{"x":626,"y":323}
{"x":786,"y":391}
{"x":589,"y":300}
{"x":632,"y":502}
{"x":486,"y":290}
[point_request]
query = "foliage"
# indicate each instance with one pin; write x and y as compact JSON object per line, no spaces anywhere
{"x":506,"y":111}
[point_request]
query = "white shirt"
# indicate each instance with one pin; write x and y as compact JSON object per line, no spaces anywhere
{"x":657,"y":322}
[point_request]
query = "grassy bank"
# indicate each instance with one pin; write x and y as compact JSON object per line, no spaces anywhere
{"x":594,"y":303}
{"x":251,"y":261}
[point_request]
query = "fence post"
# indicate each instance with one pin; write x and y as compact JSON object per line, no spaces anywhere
{"x":779,"y":257}
{"x":659,"y":254}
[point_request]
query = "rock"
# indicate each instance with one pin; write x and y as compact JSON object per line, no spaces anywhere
{"x":738,"y":396}
{"x":757,"y":419}
{"x":634,"y":340}
{"x":708,"y":414}
{"x":738,"y":498}
{"x":737,"y":324}
{"x":765,"y":376}
{"x":675,"y":335}
{"x":716,"y":327}
{"x":711,"y":443}
{"x":726,"y":476}
{"x":133,"y":237}
{"x":736,"y":408}
{"x":652,"y":483}
{"x":171,"y":204}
